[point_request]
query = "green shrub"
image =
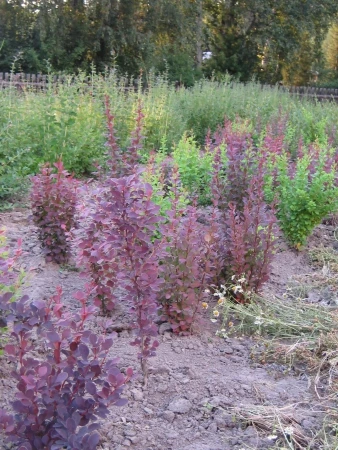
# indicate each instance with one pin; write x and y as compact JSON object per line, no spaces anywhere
{"x":68,"y":119}
{"x":195,"y":168}
{"x":158,"y":174}
{"x":306,"y":192}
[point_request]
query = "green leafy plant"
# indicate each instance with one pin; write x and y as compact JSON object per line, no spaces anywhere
{"x":158,"y":173}
{"x":195,"y":167}
{"x":306,"y":191}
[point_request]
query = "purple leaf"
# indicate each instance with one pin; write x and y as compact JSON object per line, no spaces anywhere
{"x":93,"y":441}
{"x":71,"y":425}
{"x":53,"y":337}
{"x":42,"y":371}
{"x":84,"y":351}
{"x":61,"y":378}
{"x":91,"y":388}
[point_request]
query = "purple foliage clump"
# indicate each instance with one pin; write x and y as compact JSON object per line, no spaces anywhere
{"x":63,"y":392}
{"x":53,"y":198}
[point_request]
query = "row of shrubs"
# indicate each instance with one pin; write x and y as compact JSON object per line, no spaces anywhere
{"x":36,"y":127}
{"x":166,"y":235}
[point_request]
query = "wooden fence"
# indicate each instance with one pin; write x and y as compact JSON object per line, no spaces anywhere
{"x":40,"y":82}
{"x":32,"y":81}
{"x":308,"y":91}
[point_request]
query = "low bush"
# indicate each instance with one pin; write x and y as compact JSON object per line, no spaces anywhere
{"x":53,"y":198}
{"x":189,"y":263}
{"x":251,"y":238}
{"x":247,"y":225}
{"x":306,"y":191}
{"x":121,"y":253}
{"x":195,"y":168}
{"x":61,"y":395}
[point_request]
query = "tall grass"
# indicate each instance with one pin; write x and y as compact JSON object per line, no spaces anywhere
{"x":68,"y":119}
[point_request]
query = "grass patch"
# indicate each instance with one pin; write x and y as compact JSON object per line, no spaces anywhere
{"x":279,"y":318}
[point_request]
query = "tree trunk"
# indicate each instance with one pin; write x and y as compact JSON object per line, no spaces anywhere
{"x":199,"y":34}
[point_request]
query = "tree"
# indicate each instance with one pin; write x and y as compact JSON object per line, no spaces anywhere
{"x":330,"y":48}
{"x":261,"y":36}
{"x":17,"y":37}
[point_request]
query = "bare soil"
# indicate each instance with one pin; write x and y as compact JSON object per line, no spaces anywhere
{"x":197,"y":382}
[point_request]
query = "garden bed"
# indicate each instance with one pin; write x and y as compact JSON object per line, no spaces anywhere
{"x":205,"y":392}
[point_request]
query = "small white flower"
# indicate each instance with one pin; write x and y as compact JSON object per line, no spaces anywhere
{"x":233,"y":277}
{"x":242,"y":280}
{"x":221,"y":300}
{"x":207,"y":291}
{"x":237,"y":289}
{"x":288,"y":431}
{"x":213,"y":320}
{"x":272,"y":437}
{"x":259,"y":321}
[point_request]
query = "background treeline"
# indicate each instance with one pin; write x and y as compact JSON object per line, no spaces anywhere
{"x":291,"y":41}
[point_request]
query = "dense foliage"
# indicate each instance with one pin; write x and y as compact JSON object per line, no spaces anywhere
{"x":53,"y":200}
{"x":61,"y":396}
{"x":306,"y":191}
{"x":258,"y":37}
{"x":70,"y":119}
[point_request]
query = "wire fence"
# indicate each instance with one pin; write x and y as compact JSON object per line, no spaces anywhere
{"x":40,"y":82}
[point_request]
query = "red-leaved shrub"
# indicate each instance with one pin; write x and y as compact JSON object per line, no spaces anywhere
{"x":61,"y":395}
{"x":234,"y":165}
{"x":247,"y":226}
{"x":121,"y":253}
{"x":274,"y":142}
{"x":53,"y":198}
{"x":189,"y":262}
{"x":251,"y":236}
{"x":123,"y":163}
{"x":91,"y":256}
